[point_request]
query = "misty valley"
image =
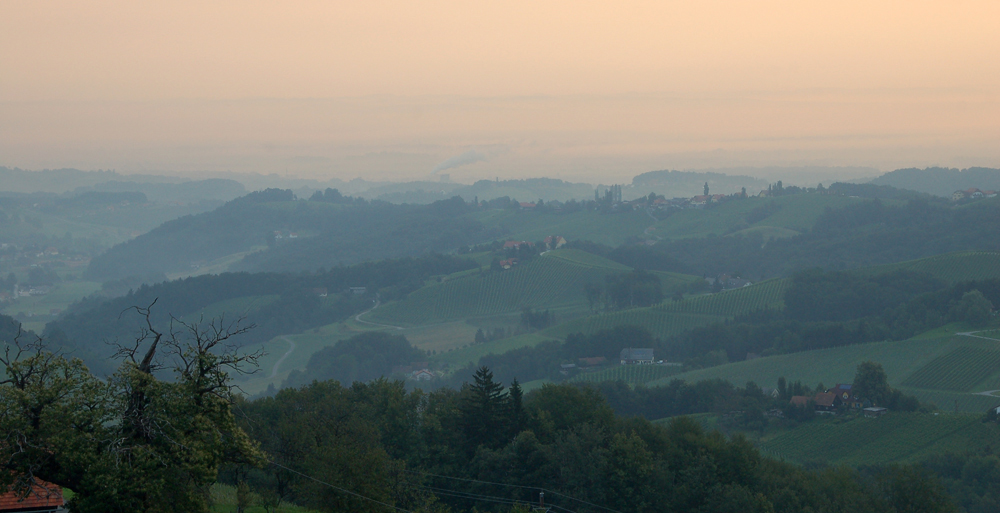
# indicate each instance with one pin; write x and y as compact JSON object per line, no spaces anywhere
{"x":688,"y":341}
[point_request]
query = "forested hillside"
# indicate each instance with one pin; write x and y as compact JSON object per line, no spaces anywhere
{"x":941,"y":181}
{"x":862,"y":234}
{"x":294,"y":235}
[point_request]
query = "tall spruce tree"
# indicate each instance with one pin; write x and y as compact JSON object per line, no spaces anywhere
{"x":483,"y":410}
{"x":516,"y":416}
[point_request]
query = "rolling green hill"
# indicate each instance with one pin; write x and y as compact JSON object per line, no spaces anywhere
{"x":553,"y":280}
{"x":610,"y":229}
{"x":895,"y":438}
{"x":907,"y":363}
{"x":673,"y":317}
{"x":662,"y":320}
{"x":796,"y":212}
{"x":472,"y":353}
{"x":660,"y":323}
{"x":951,"y":267}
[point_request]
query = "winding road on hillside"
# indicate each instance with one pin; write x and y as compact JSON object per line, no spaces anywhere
{"x":972,"y":334}
{"x":277,"y":364}
{"x":359,"y":319}
{"x":652,"y":227}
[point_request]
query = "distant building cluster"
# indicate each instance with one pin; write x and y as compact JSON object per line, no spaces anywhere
{"x":840,"y":396}
{"x":973,"y":193}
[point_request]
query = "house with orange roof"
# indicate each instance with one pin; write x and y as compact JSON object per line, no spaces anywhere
{"x":44,"y":497}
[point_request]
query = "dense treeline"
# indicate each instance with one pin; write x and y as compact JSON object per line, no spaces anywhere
{"x":363,"y":357}
{"x":973,"y":480}
{"x":941,"y":181}
{"x":327,"y":232}
{"x":275,"y":303}
{"x":625,"y":290}
{"x":485,"y":447}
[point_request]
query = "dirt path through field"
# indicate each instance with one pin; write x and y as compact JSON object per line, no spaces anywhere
{"x":358,"y":318}
{"x":973,"y":334}
{"x":652,"y":227}
{"x":277,"y":364}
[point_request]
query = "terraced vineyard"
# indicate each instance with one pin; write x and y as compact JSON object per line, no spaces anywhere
{"x":584,"y":259}
{"x":661,"y":324}
{"x":767,"y":295}
{"x":952,"y":267}
{"x":896,"y":437}
{"x":631,"y":374}
{"x":960,"y":370}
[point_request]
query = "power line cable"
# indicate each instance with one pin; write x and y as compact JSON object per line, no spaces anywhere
{"x":341,"y":489}
{"x":515,"y":486}
{"x":484,"y":498}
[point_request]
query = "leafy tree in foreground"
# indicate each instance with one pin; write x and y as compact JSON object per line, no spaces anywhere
{"x":133,"y":442}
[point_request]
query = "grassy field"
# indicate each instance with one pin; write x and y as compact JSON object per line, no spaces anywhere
{"x":471,"y":354}
{"x":900,"y":359}
{"x":660,"y":323}
{"x":896,"y":437}
{"x":552,"y":280}
{"x":59,"y":298}
{"x":610,"y":229}
{"x":674,"y":317}
{"x":299,"y":348}
{"x":631,"y":374}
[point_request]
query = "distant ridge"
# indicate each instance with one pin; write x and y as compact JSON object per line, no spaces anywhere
{"x":691,"y":183}
{"x":941,"y":181}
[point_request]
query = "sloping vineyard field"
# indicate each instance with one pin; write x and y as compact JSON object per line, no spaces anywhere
{"x":766,"y":295}
{"x":953,"y":401}
{"x":584,"y":259}
{"x":631,"y":374}
{"x":540,"y":283}
{"x":952,"y":267}
{"x":896,"y":437}
{"x":960,"y":370}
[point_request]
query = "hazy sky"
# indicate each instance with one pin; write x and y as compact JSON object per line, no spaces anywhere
{"x":575,"y":89}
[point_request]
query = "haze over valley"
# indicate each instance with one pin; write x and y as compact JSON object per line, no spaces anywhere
{"x":447,"y":257}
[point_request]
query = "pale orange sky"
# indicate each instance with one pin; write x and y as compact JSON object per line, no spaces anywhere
{"x":592,"y":91}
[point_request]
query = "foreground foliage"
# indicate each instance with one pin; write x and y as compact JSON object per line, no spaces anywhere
{"x":132,"y":442}
{"x":486,"y":447}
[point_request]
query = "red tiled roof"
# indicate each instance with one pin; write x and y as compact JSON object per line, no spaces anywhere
{"x":825,"y":398}
{"x":46,"y":495}
{"x":799,"y":400}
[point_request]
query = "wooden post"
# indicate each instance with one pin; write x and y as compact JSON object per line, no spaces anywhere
{"x":541,"y":499}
